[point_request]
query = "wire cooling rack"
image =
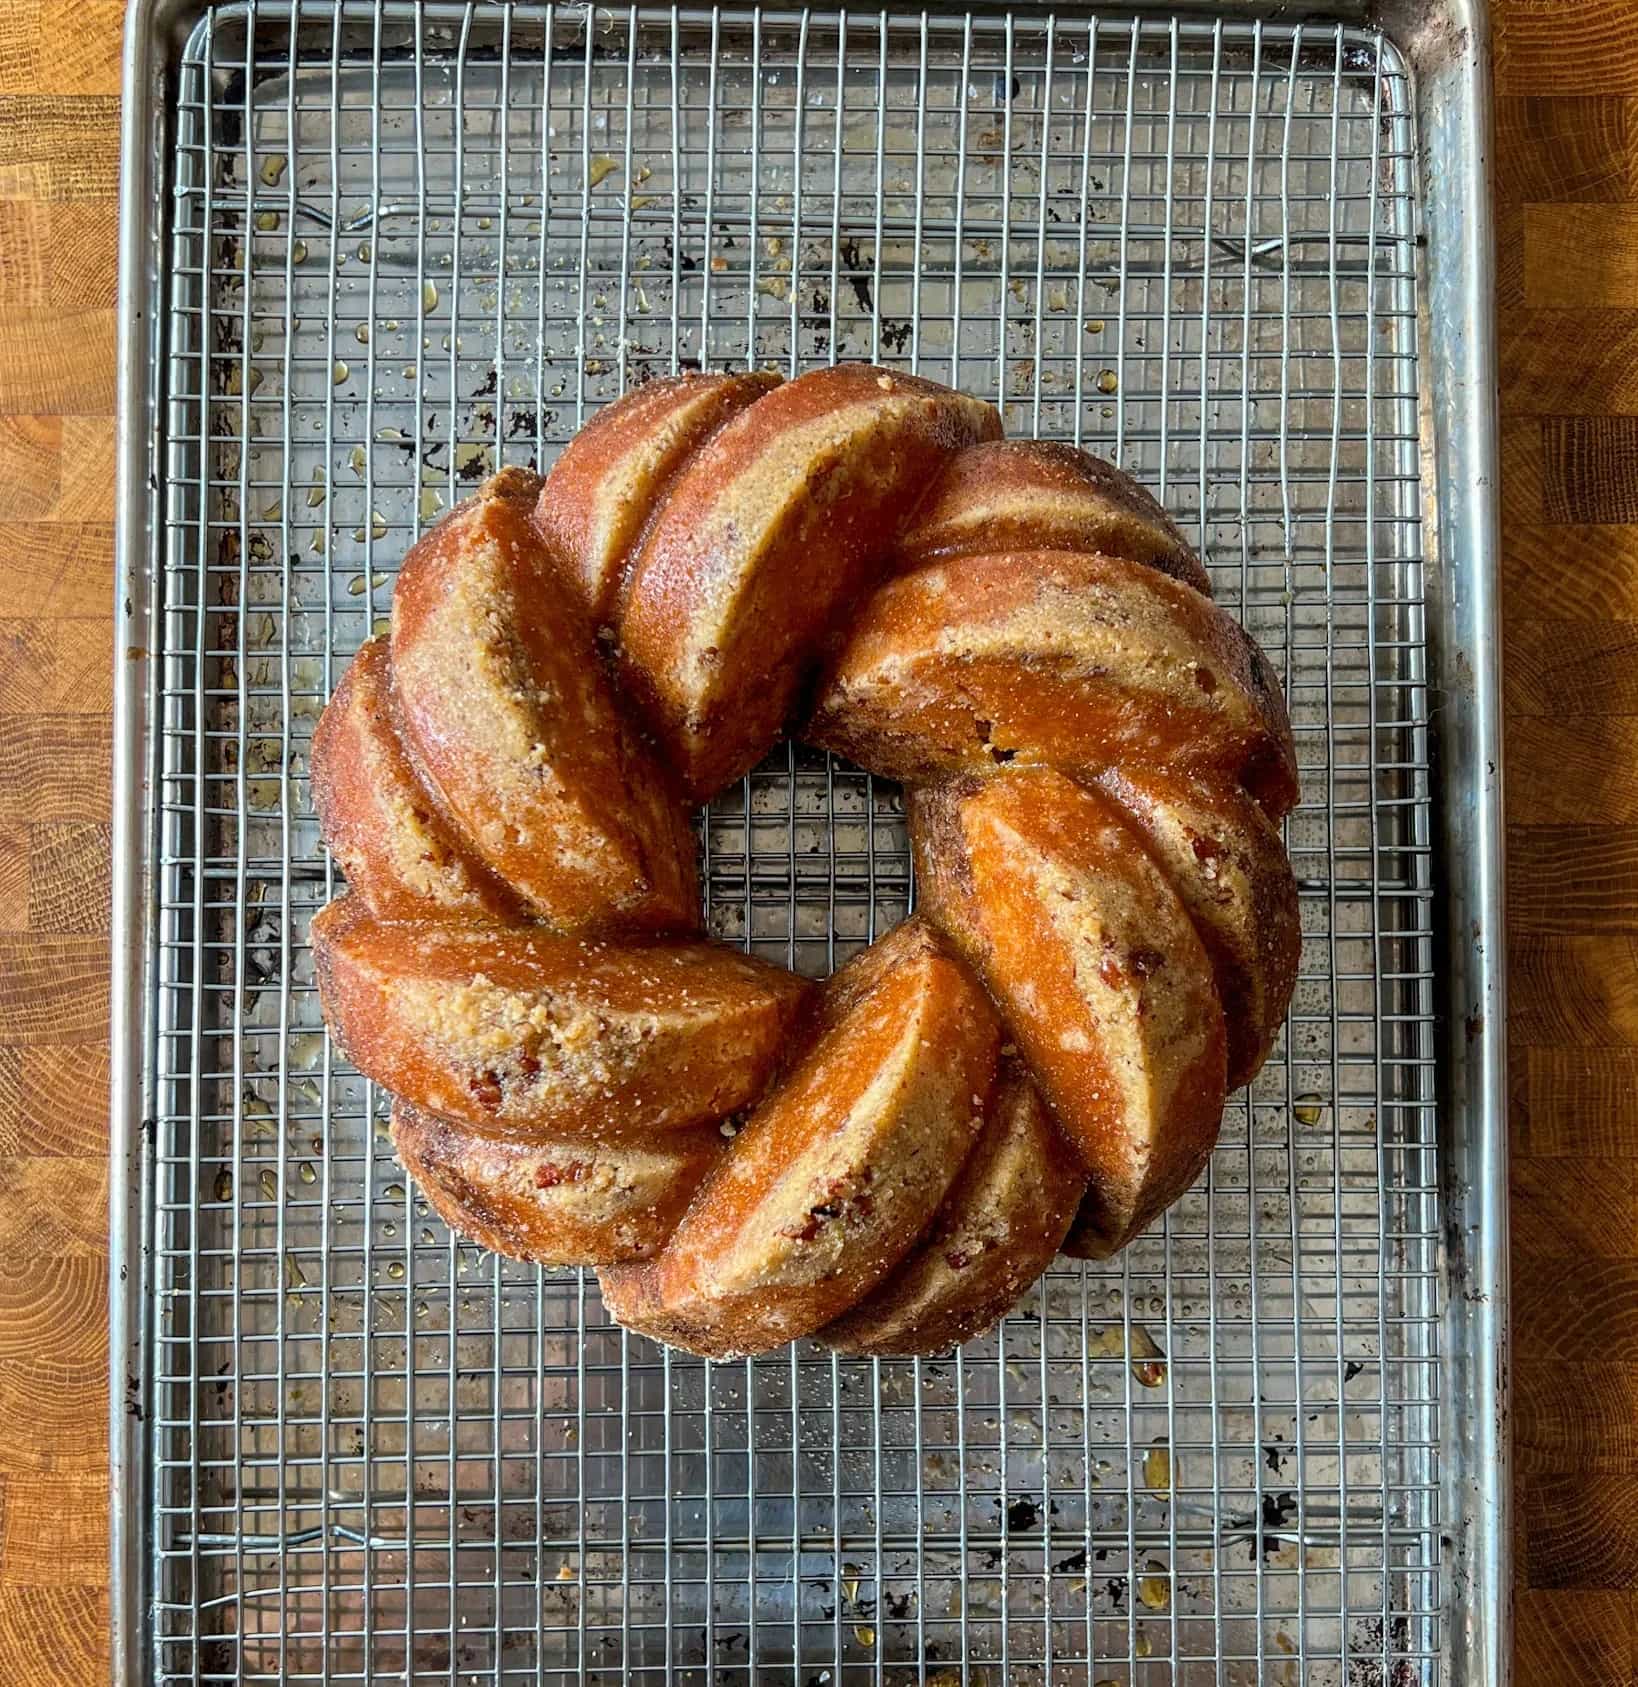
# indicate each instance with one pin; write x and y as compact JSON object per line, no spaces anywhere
{"x":406,"y":247}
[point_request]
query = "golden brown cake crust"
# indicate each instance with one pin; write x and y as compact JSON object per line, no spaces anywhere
{"x":845,"y":1161}
{"x":631,"y":1297}
{"x":505,"y":708}
{"x":1097,"y":759}
{"x":401,"y":855}
{"x":601,"y":493}
{"x":1224,"y":858}
{"x":1080,"y":661}
{"x":1000,"y":1225}
{"x":555,"y":1200}
{"x":784,"y":517}
{"x":519,"y":1033}
{"x":1030,"y":494}
{"x":1098,"y":971}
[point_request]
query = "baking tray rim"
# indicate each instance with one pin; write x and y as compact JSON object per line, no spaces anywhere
{"x":1447,"y":45}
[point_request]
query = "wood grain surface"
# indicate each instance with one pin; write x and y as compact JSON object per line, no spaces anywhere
{"x":1567,"y":218}
{"x":1567,"y":224}
{"x":59,"y":170}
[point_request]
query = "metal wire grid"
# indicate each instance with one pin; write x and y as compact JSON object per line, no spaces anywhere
{"x":410,"y":246}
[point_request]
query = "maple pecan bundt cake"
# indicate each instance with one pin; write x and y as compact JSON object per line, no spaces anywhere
{"x":1096,"y":759}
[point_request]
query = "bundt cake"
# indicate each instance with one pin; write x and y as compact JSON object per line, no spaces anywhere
{"x":1097,"y":759}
